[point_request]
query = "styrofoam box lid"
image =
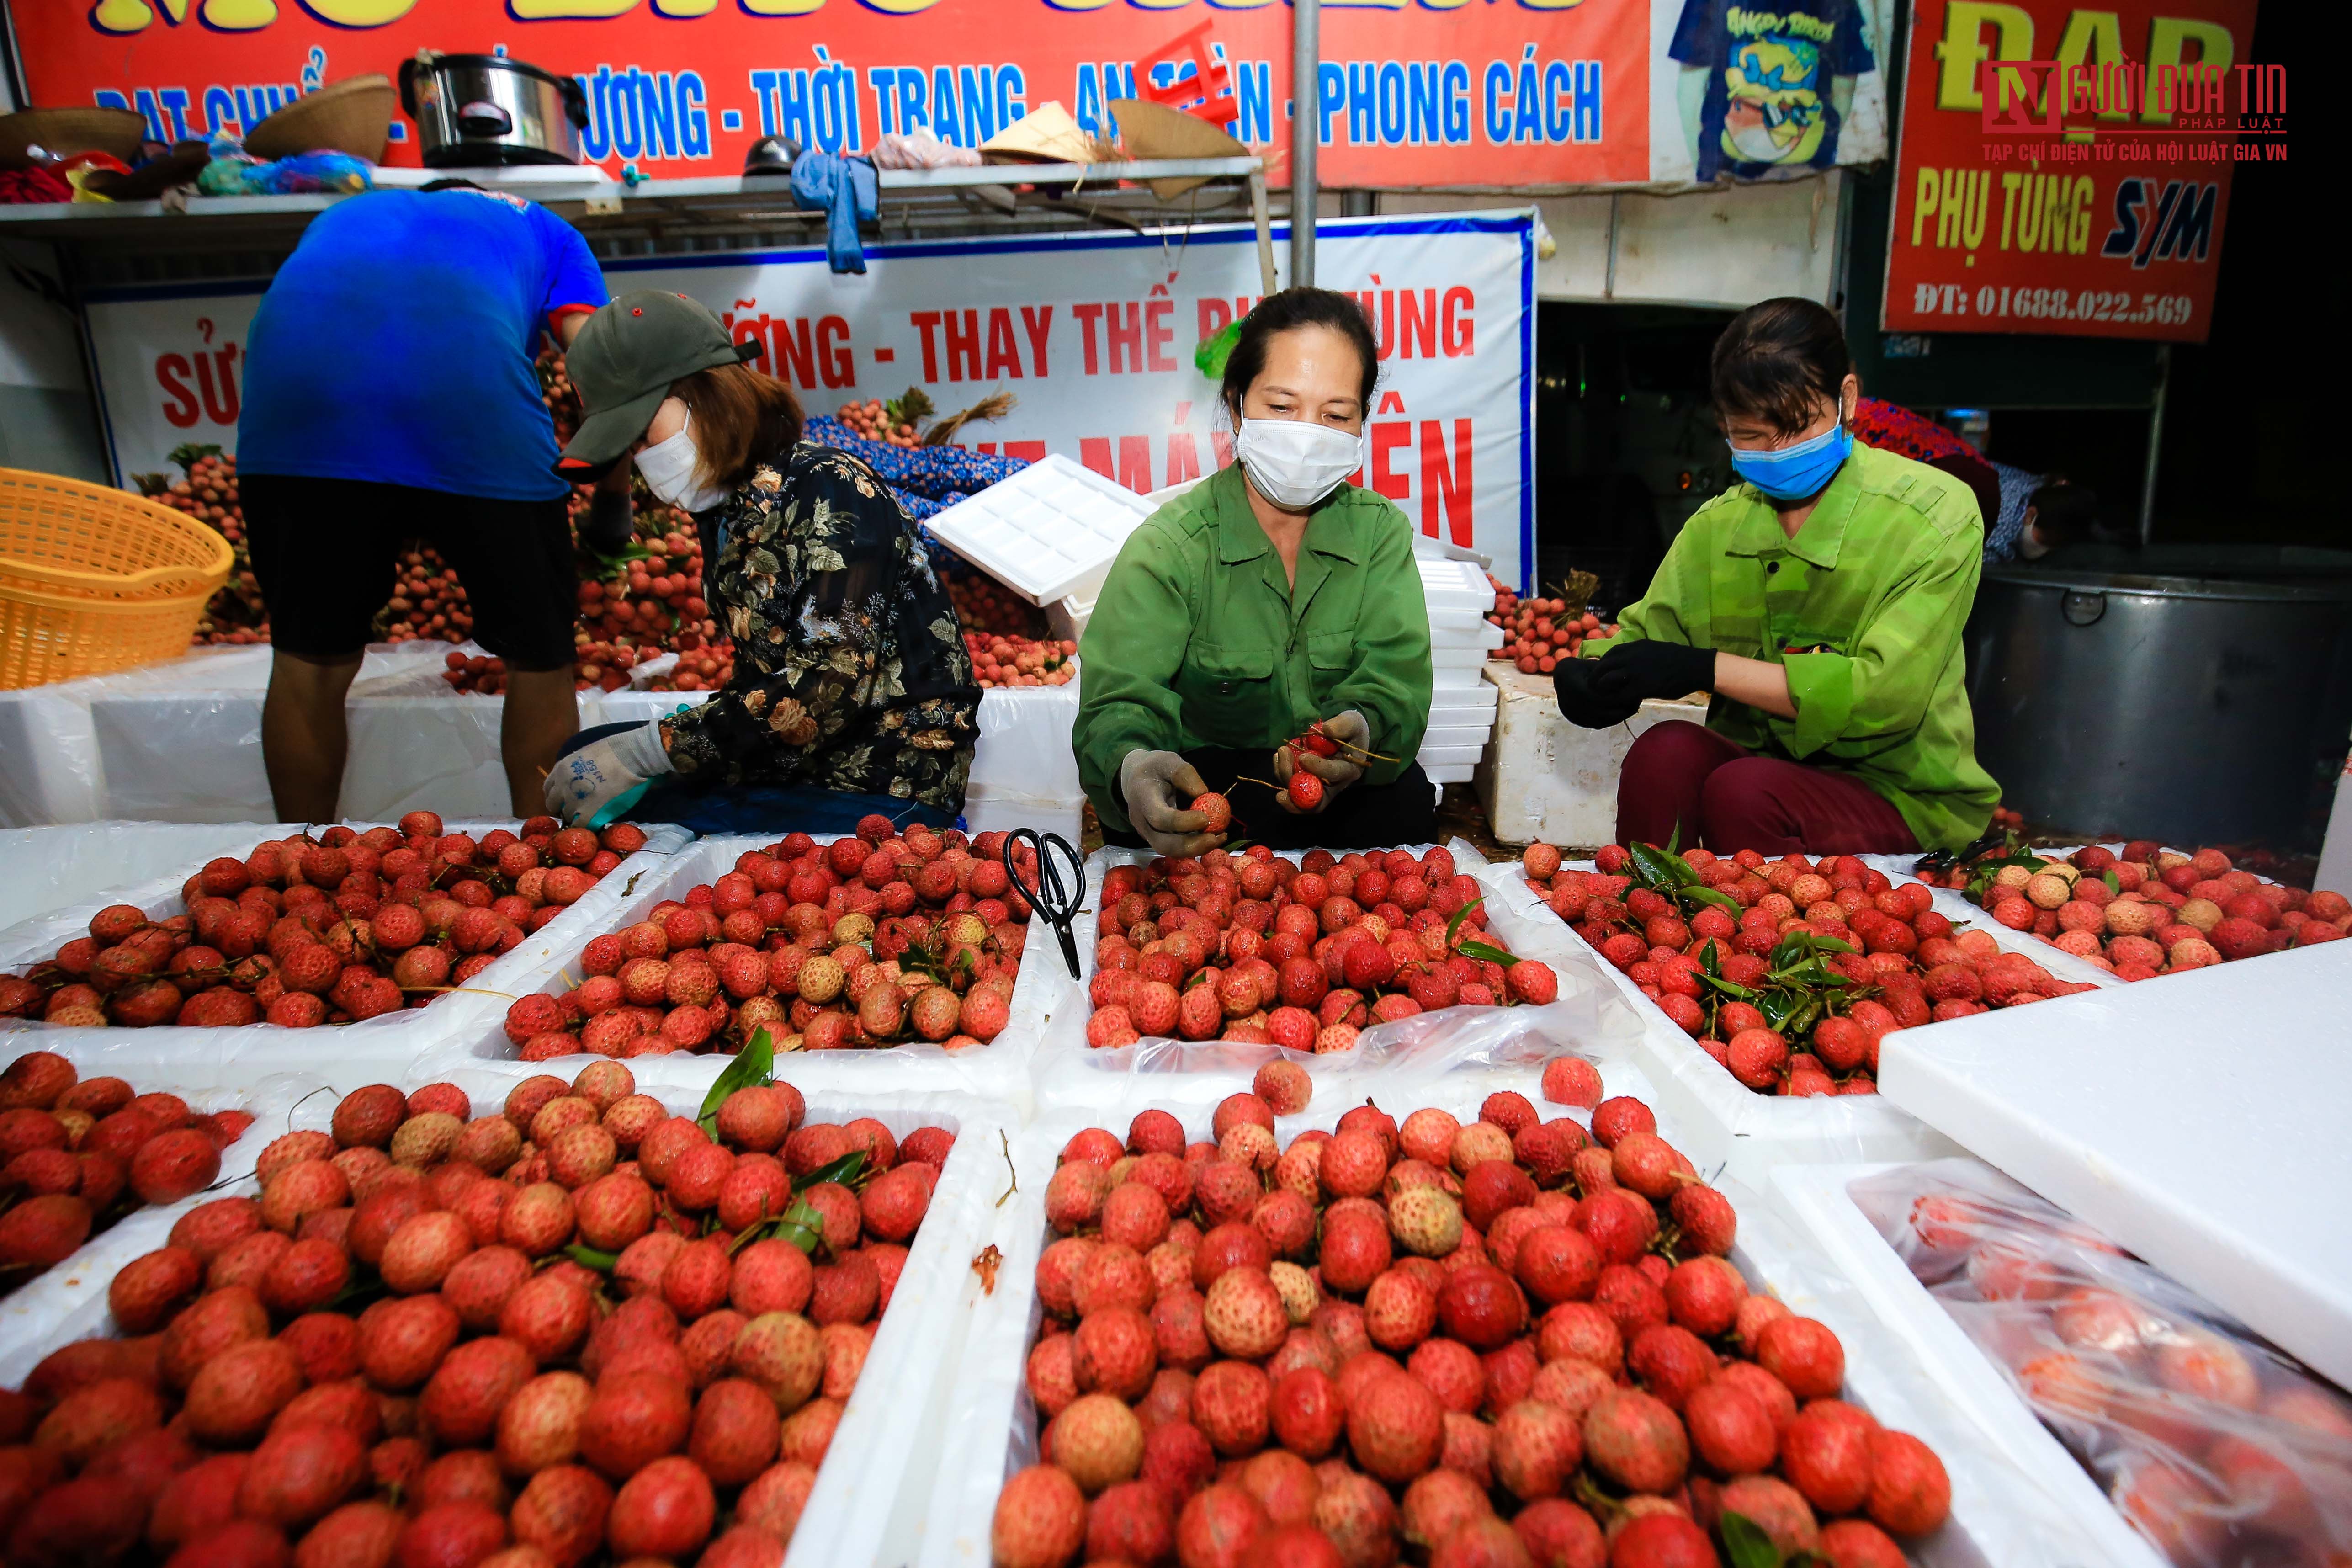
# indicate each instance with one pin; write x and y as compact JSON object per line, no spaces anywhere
{"x":2091,"y":1102}
{"x":1449,"y":772}
{"x":1045,"y":529}
{"x":1454,"y":585}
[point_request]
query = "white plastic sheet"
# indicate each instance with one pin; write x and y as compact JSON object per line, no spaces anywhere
{"x":180,"y":742}
{"x":998,"y":1070}
{"x":1588,"y":1017}
{"x":991,"y":1422}
{"x":70,"y":1301}
{"x":383,"y":1046}
{"x":1724,"y":1123}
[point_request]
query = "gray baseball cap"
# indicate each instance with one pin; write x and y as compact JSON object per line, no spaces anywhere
{"x":624,"y":360}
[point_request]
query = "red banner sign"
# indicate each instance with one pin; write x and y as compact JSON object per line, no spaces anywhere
{"x":2067,"y":172}
{"x":1432,"y":94}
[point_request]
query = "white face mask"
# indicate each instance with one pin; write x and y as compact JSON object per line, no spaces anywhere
{"x":668,"y":468}
{"x":1295,"y":464}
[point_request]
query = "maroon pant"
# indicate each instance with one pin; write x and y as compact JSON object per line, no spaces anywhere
{"x":1724,"y":796}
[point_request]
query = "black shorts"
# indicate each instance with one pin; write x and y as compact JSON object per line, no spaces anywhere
{"x":325,"y":552}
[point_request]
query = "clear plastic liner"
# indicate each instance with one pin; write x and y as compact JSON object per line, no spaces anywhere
{"x":383,"y":1046}
{"x":1587,"y":1018}
{"x":1724,"y":1123}
{"x":998,"y":1070}
{"x":2221,"y":1450}
{"x":52,"y":868}
{"x":1999,"y":1518}
{"x":70,"y":1301}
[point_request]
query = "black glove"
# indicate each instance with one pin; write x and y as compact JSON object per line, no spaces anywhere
{"x":1575,"y":681}
{"x":1636,"y":671}
{"x":610,"y":523}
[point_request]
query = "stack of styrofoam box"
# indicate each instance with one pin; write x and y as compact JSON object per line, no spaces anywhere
{"x":1462,"y":705}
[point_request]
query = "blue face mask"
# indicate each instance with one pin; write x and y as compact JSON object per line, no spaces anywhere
{"x":1792,"y":473}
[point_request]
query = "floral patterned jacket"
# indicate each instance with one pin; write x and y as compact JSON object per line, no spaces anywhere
{"x":850,"y":668}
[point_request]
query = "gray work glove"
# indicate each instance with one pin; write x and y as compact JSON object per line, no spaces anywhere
{"x":1158,"y":788}
{"x":1337,"y":771}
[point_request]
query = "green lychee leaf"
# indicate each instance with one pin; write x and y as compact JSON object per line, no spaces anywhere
{"x":2115,"y":884}
{"x":842,"y":1171}
{"x":1699,"y":893}
{"x":1487,"y":953}
{"x":755,"y":1064}
{"x":1746,"y":1545}
{"x":1454,"y":926}
{"x":803,"y":1225}
{"x":587,"y":1257}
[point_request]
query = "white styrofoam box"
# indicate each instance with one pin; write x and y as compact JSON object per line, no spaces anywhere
{"x":1545,"y":778}
{"x":1475,"y":703}
{"x":68,"y":1302}
{"x":1478,"y":634}
{"x":1470,"y":735}
{"x":2092,"y":1101}
{"x":1447,"y":678}
{"x":2060,"y":1503}
{"x":1047,"y":531}
{"x":1589,"y":1018}
{"x":382,"y":1046}
{"x":1453,"y":588}
{"x":998,"y":1070}
{"x":1445,"y":757}
{"x":2335,"y":873}
{"x":885,"y":1427}
{"x":1724,"y":1122}
{"x":50,"y":867}
{"x":1451,"y":772}
{"x":992,"y":1424}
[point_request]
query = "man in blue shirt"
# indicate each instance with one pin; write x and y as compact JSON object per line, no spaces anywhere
{"x":390,"y":395}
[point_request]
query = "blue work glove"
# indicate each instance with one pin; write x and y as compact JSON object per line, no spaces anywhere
{"x":597,"y":783}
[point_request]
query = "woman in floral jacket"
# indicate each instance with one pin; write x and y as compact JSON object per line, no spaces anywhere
{"x":851,"y":693}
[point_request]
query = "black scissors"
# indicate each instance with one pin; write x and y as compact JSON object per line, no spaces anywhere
{"x":1049,"y":896}
{"x":1945,"y":859}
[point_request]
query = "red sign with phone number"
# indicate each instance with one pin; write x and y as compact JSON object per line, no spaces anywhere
{"x":2067,"y":172}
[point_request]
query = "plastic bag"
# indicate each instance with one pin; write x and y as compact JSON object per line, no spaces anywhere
{"x":1588,"y":1016}
{"x":2221,"y":1450}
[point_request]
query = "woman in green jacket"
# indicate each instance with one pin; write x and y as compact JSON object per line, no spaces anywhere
{"x":1269,"y":598}
{"x":1820,"y":602}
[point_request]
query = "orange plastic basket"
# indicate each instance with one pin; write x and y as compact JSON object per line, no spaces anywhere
{"x":94,"y":580}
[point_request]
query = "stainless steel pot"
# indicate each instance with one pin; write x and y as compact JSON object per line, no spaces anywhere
{"x":2197,"y":710}
{"x":476,"y":109}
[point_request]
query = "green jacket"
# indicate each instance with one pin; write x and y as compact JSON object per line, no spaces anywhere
{"x":1197,"y":640}
{"x":1864,"y":608}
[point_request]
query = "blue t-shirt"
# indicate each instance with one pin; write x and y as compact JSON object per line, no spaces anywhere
{"x":395,"y":345}
{"x":1767,"y":89}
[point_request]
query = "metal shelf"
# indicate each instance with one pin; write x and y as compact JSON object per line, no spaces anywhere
{"x":601,"y":206}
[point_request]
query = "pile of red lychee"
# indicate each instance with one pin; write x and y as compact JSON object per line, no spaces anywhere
{"x":1910,"y":965}
{"x":76,"y":1154}
{"x":1539,"y":633}
{"x":877,"y":938}
{"x":1258,"y":948}
{"x":2152,"y":911}
{"x":1502,"y":1344}
{"x":329,"y":930}
{"x":579,"y":1329}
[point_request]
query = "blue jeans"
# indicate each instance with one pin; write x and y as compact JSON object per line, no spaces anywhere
{"x":762,"y":808}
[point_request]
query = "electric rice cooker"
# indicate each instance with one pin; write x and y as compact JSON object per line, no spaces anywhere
{"x":473,"y":111}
